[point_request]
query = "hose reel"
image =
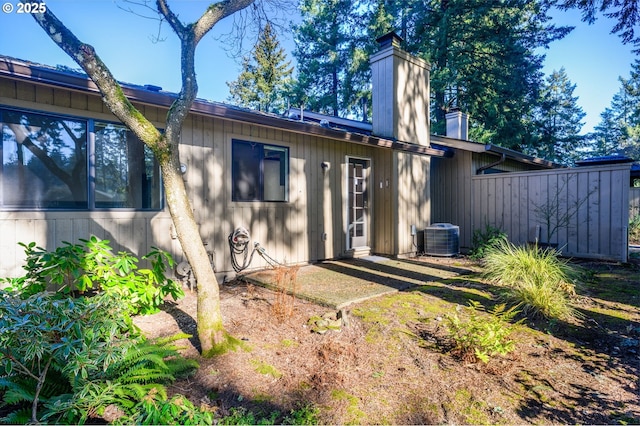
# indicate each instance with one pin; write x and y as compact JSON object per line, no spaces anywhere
{"x":239,"y":246}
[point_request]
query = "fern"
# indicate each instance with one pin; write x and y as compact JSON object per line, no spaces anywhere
{"x":140,"y":374}
{"x":20,"y":416}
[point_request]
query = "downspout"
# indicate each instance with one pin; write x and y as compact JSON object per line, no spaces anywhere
{"x":503,"y":157}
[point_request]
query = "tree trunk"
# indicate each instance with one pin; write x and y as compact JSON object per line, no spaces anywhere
{"x":211,"y":333}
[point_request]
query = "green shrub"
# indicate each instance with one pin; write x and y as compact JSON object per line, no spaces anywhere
{"x":65,"y":360}
{"x":178,"y":410}
{"x":480,"y":337}
{"x":306,"y":414}
{"x":536,"y":278}
{"x":92,"y":267}
{"x":634,"y":229}
{"x":48,"y":343}
{"x":484,"y":239}
{"x":134,"y":383}
{"x":242,"y":416}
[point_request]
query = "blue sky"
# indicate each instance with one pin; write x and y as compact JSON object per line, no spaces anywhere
{"x":592,"y":58}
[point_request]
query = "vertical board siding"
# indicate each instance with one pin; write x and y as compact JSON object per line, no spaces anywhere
{"x":453,"y":197}
{"x":311,"y":226}
{"x":592,"y":199}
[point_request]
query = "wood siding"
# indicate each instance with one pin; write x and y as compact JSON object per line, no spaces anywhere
{"x":508,"y":200}
{"x":311,"y":226}
{"x":593,"y":198}
{"x":451,"y":189}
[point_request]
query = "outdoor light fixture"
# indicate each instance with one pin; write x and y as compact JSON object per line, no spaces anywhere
{"x":183,"y":168}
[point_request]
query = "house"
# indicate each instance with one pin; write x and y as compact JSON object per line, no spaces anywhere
{"x":305,"y":191}
{"x":451,"y":181}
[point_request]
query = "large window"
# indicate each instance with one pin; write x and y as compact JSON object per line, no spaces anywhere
{"x":260,"y":172}
{"x":45,"y":165}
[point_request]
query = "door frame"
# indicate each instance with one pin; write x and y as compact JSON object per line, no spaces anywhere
{"x":368,"y":191}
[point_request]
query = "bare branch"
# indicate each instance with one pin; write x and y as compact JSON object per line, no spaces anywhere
{"x":215,"y":13}
{"x":177,"y":26}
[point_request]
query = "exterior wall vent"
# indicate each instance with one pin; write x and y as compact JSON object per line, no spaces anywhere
{"x":442,"y":239}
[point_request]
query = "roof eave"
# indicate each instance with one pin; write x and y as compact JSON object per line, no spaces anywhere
{"x":480,"y":148}
{"x":48,"y":76}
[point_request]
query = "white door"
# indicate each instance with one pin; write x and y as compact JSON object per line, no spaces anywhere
{"x":358,"y":203}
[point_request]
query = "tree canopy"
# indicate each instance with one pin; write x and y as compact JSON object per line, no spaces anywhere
{"x":330,"y":51}
{"x":557,"y":121}
{"x":265,"y":76}
{"x":619,"y":127}
{"x":626,"y":14}
{"x":483,"y":56}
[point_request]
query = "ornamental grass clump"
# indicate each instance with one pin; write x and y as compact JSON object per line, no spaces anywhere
{"x":536,"y":278}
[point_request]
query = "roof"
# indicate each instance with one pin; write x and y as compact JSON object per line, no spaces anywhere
{"x":443,"y":143}
{"x":605,"y":159}
{"x":18,"y":69}
{"x":448,"y":142}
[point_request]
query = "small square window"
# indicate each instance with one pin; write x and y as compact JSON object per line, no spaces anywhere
{"x":260,"y":172}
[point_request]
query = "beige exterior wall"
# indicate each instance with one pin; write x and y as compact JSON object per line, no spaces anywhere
{"x":451,"y":189}
{"x":596,"y":200}
{"x":310,"y":227}
{"x":400,"y":96}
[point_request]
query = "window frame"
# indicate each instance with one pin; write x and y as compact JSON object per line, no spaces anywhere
{"x":285,"y":170}
{"x":90,"y":175}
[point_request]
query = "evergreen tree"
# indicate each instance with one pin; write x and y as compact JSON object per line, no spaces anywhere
{"x":607,"y":136}
{"x":265,"y":76}
{"x":557,"y":121}
{"x":332,"y":58}
{"x":619,"y":129}
{"x":482,"y":53}
{"x":627,"y":105}
{"x":484,"y":61}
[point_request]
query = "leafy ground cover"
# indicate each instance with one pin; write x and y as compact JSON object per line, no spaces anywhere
{"x":392,"y":358}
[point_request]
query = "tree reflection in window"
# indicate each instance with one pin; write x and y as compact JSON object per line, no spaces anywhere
{"x":44,"y":161}
{"x":45,"y":165}
{"x":126,"y":174}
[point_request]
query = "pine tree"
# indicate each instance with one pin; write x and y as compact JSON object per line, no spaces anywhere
{"x":484,"y":61}
{"x":333,"y":63}
{"x":265,"y":77}
{"x":627,"y":107}
{"x":482,"y":53}
{"x":619,"y":129}
{"x":557,"y":121}
{"x":607,"y":136}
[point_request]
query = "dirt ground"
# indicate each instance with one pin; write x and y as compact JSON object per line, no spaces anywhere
{"x":389,"y":361}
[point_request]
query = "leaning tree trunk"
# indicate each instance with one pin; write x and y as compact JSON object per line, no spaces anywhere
{"x":213,"y":337}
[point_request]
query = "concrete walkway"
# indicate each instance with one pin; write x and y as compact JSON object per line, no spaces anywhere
{"x":339,"y":283}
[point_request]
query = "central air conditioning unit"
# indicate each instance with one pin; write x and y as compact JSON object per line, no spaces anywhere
{"x":442,"y":239}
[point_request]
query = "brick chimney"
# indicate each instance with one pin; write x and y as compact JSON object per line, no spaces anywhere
{"x":457,"y":125}
{"x":400,"y":93}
